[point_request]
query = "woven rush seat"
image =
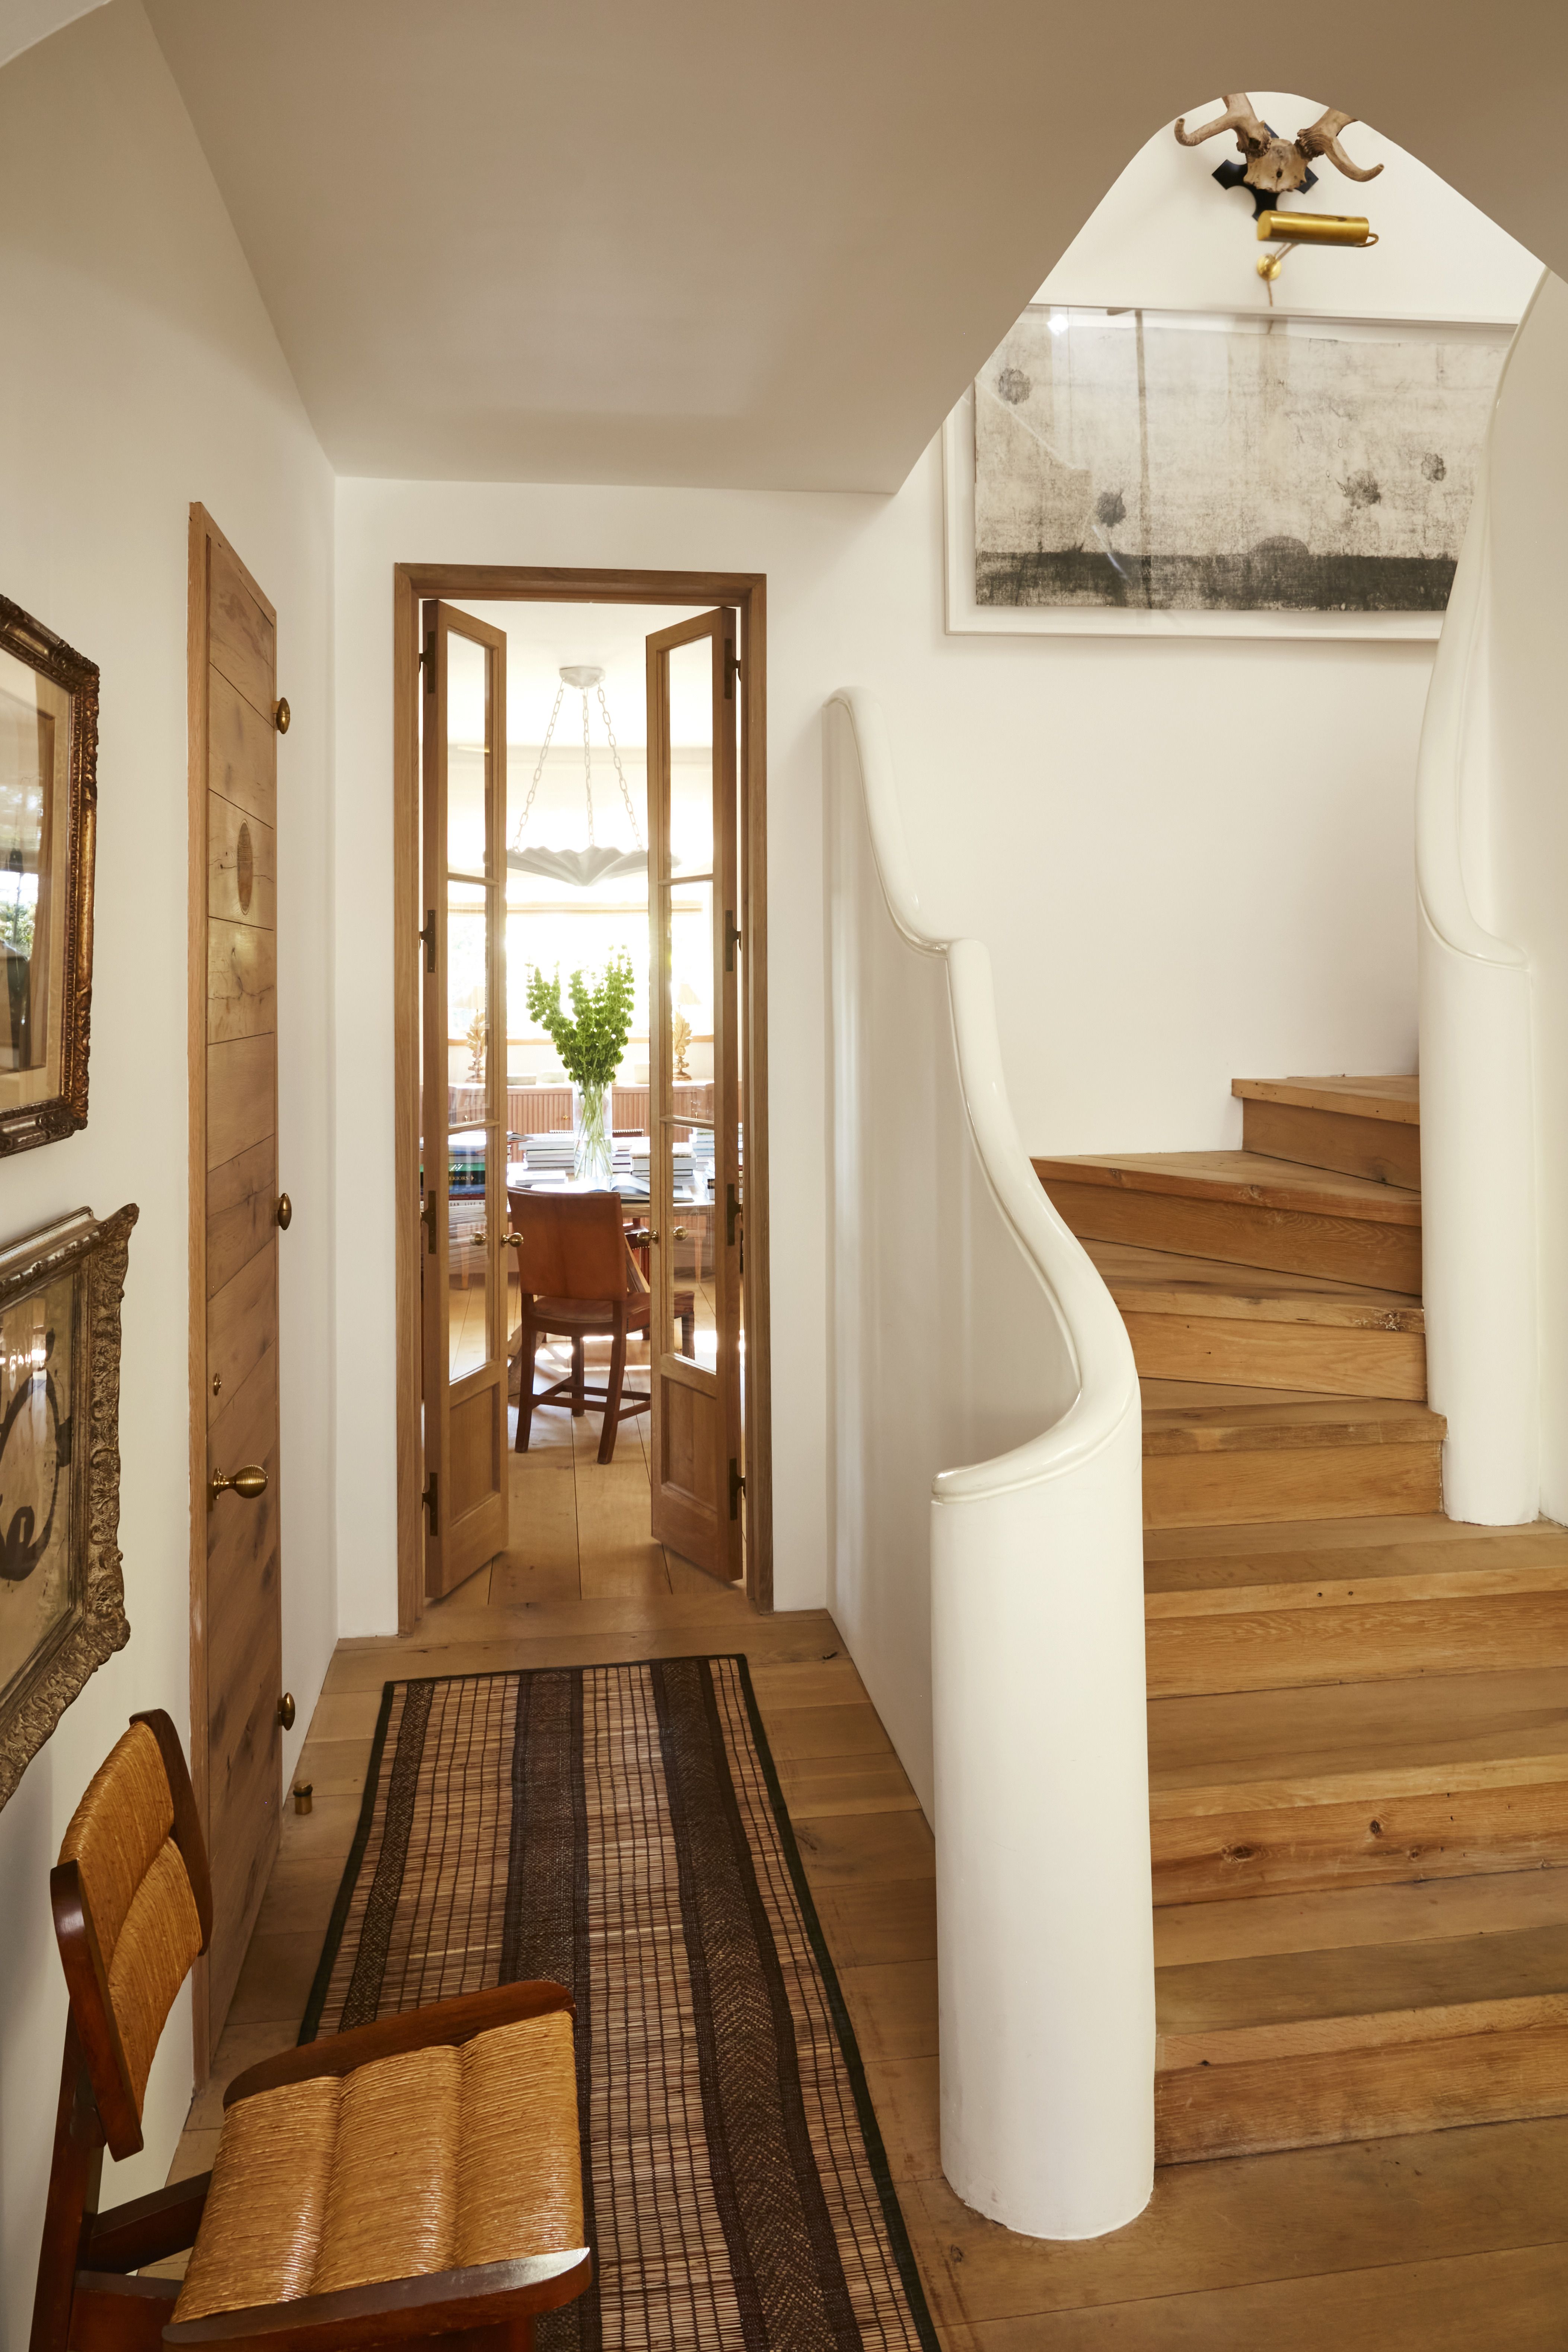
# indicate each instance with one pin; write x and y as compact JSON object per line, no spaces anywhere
{"x":419,"y":2178}
{"x":439,"y":2159}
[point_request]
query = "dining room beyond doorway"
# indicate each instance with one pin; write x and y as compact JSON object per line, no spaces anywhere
{"x":587,"y":1012}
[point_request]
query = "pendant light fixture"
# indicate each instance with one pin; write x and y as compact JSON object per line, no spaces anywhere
{"x":581,"y":868}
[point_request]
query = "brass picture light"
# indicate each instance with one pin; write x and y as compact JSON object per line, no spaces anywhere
{"x":1306,"y":229}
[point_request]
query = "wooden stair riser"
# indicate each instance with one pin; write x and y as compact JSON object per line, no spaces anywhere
{"x":1446,"y":1831}
{"x":1383,"y":1149}
{"x":1344,"y":1249}
{"x":1324,"y":1482}
{"x":1334,"y":1359}
{"x":1290,"y":1645}
{"x":1485,"y":2070}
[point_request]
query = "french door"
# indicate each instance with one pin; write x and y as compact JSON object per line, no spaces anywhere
{"x":696,"y":1203}
{"x":463,"y":1094}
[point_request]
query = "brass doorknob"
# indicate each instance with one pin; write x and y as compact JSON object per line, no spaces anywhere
{"x":250,"y":1482}
{"x":286,"y":1710}
{"x":285,"y":1212}
{"x":507,"y":1239}
{"x":280,"y":716}
{"x":681,"y":1232}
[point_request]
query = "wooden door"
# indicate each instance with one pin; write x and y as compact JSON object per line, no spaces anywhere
{"x":236,"y":1633}
{"x":463,"y":1095}
{"x":695,"y":948}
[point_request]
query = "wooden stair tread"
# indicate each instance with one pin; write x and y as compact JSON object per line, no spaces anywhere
{"x":1362,"y":1981}
{"x":1340,"y":1918}
{"x":1322,"y":1741}
{"x":1421,"y":1528}
{"x":1407,"y":1570}
{"x":1156,"y":1282}
{"x":1397,"y":1100}
{"x":1202,"y":1417}
{"x":1247,"y":1179}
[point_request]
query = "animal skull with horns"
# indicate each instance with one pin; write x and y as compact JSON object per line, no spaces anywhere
{"x":1277,"y":167}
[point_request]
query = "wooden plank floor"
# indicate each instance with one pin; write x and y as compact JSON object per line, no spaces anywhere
{"x":1447,"y":2241}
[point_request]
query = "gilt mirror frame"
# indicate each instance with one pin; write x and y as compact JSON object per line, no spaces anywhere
{"x":62,"y":1595}
{"x":48,"y":807}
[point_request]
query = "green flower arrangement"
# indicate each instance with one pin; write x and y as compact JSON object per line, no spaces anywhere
{"x":592,"y":1040}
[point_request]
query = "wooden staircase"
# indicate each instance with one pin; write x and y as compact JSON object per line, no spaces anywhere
{"x":1359,"y":1708}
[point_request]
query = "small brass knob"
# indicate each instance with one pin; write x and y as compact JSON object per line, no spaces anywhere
{"x":218,"y":1385}
{"x":285,"y":1212}
{"x":681,"y":1232}
{"x":280,"y":716}
{"x":508,"y":1239}
{"x":250,"y":1482}
{"x":286,"y":1710}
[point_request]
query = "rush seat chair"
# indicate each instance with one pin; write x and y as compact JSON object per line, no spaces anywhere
{"x":416,"y":2178}
{"x":579,"y":1280}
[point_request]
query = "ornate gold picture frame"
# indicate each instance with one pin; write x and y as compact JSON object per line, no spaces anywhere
{"x":62,"y":1600}
{"x":48,"y":812}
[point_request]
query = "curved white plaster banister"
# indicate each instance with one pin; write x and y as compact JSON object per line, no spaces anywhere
{"x":1038,"y":1682}
{"x":1478,"y":1126}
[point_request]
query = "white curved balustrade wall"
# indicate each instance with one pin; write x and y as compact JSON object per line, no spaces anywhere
{"x":1491,"y":836}
{"x":988,"y":1545}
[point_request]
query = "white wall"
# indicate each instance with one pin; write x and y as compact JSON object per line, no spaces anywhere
{"x":140,"y":373}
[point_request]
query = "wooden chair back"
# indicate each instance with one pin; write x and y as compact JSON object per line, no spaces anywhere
{"x":132,"y":1909}
{"x":573,"y":1245}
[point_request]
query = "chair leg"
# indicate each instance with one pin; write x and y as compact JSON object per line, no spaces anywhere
{"x":578,"y":1406}
{"x":529,"y":1348}
{"x":611,"y":1421}
{"x":689,"y":1332}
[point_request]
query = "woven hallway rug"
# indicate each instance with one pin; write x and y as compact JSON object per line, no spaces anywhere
{"x":621,"y":1828}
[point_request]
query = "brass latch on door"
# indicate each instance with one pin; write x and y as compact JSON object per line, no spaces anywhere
{"x":286,"y":1710}
{"x":250,"y":1482}
{"x":428,"y":1500}
{"x":737,"y":1487}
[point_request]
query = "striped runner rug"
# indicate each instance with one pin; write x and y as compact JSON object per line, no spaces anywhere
{"x":621,"y":1830}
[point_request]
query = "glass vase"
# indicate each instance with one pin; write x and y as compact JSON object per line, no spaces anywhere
{"x":593,"y":1162}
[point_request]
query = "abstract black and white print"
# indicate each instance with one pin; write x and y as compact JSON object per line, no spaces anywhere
{"x":1181,"y":462}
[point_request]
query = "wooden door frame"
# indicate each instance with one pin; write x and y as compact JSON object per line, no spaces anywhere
{"x":203,"y":532}
{"x":538,"y":583}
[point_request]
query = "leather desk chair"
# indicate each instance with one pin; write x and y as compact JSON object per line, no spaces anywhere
{"x":580,"y":1281}
{"x":419,"y":2178}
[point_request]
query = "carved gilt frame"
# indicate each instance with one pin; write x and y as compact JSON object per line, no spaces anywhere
{"x":45,"y":1121}
{"x":93,"y":1254}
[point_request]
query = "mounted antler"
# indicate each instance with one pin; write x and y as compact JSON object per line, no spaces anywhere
{"x":1275,"y":166}
{"x":1251,"y":136}
{"x":1323,"y":138}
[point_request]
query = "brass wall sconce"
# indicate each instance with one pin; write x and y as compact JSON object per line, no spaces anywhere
{"x":1306,"y":229}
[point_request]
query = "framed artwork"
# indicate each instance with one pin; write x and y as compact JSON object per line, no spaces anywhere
{"x":49,"y":806}
{"x":62,"y":1600}
{"x":1146,"y":473}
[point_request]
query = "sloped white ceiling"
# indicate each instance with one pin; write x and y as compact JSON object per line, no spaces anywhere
{"x":719,"y":242}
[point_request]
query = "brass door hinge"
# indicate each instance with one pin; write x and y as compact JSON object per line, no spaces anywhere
{"x":427,"y":934}
{"x":428,"y":1500}
{"x":737,"y":1487}
{"x":427,"y":662}
{"x":731,"y":939}
{"x":732,"y":1208}
{"x":427,"y":1219}
{"x":731,"y":667}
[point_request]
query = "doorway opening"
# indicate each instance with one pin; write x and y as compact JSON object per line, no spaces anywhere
{"x":581,"y":1067}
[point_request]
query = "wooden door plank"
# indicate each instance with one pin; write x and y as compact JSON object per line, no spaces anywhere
{"x":241,"y":765}
{"x":242,"y":981}
{"x":242,"y":1327}
{"x":242,"y":1100}
{"x":242,"y":885}
{"x":242,"y":637}
{"x":242,"y":1211}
